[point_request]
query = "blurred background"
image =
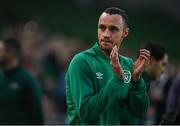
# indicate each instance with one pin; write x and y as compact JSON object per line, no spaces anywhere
{"x":51,"y":32}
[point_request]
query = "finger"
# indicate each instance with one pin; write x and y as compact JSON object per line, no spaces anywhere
{"x":140,"y":66}
{"x":147,"y":62}
{"x":114,"y":56}
{"x":112,"y":51}
{"x":111,"y":62}
{"x":145,"y":52}
{"x":115,"y":62}
{"x":137,"y":61}
{"x":144,"y":57}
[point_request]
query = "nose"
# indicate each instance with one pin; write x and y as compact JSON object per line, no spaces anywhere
{"x":107,"y":33}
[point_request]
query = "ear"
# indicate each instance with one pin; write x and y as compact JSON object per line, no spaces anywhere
{"x":125,"y":32}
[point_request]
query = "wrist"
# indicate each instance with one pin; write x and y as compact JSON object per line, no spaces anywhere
{"x":121,"y":77}
{"x":136,"y":78}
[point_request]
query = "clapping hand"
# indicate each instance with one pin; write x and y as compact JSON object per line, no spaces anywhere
{"x":114,"y":61}
{"x":140,"y":64}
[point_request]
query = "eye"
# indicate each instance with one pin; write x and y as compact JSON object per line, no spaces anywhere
{"x":113,"y":29}
{"x":102,"y":27}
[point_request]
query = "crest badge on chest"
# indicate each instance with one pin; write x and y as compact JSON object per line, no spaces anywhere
{"x":127,"y":76}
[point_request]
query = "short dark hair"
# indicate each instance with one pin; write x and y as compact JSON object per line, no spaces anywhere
{"x":115,"y":10}
{"x":12,"y":45}
{"x":157,"y":51}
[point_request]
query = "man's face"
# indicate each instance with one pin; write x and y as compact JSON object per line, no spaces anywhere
{"x":111,"y":31}
{"x":159,"y":67}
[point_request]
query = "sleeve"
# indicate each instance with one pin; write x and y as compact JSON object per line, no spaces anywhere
{"x":34,"y":101}
{"x":89,"y":104}
{"x":138,"y":99}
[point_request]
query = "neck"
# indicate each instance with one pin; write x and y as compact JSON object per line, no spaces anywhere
{"x":106,"y":53}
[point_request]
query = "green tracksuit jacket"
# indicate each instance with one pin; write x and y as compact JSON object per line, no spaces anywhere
{"x":20,"y":98}
{"x":96,"y":95}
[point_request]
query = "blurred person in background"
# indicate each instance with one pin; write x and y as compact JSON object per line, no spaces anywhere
{"x":151,"y":75}
{"x":174,"y":95}
{"x":172,"y":115}
{"x":102,"y":86}
{"x":20,"y":92}
{"x":59,"y":50}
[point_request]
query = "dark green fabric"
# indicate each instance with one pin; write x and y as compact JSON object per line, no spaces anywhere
{"x":20,"y":98}
{"x":147,"y":79}
{"x":95,"y":95}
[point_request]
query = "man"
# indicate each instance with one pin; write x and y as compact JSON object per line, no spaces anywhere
{"x":151,"y":75}
{"x":20,"y":94}
{"x":158,"y":61}
{"x":103,"y":86}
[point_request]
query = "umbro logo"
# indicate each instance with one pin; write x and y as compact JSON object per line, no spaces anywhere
{"x":99,"y":75}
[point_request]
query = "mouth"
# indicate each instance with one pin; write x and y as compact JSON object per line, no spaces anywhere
{"x":106,"y":44}
{"x":107,"y":41}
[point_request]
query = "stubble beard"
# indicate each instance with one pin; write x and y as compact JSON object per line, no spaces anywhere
{"x":106,"y":50}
